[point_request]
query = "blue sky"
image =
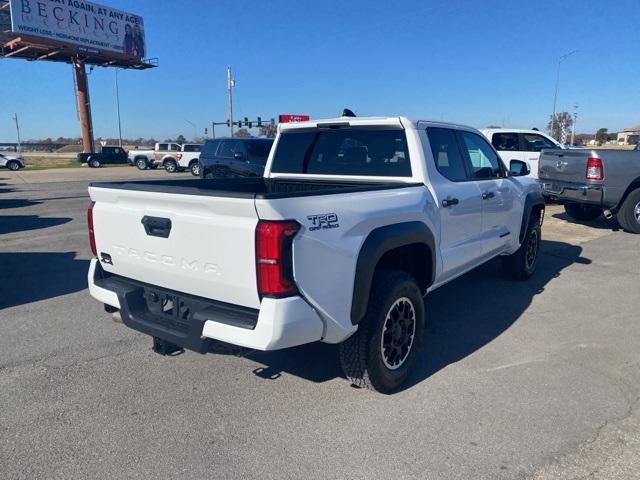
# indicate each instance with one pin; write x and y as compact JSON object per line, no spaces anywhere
{"x":469,"y":61}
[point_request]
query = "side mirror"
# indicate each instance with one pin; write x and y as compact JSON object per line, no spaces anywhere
{"x":518,"y":168}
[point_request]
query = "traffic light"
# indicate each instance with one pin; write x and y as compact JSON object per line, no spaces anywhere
{"x":239,"y":123}
{"x":206,"y":131}
{"x":259,"y":123}
{"x":228,"y":123}
{"x":246,"y":121}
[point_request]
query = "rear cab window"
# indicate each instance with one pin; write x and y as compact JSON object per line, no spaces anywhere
{"x":354,"y":151}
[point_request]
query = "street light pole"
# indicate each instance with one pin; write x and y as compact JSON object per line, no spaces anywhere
{"x":575,"y":120}
{"x":15,"y":117}
{"x":118,"y":109}
{"x":555,"y":93}
{"x":230,"y":84}
{"x":195,"y":129}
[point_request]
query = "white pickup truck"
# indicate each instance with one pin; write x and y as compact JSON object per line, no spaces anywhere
{"x":355,"y":220}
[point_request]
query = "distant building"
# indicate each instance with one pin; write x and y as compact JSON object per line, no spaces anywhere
{"x":629,"y":136}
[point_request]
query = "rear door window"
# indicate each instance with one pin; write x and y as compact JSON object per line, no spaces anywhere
{"x":226,"y":150}
{"x":163,"y":147}
{"x":446,"y":153}
{"x":210,"y":148}
{"x":505,"y":142}
{"x":191,"y":148}
{"x":377,"y":152}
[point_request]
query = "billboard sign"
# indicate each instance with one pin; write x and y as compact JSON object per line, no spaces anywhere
{"x":290,"y":117}
{"x":90,"y":26}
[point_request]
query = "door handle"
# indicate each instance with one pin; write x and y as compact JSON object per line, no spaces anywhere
{"x":488,"y":195}
{"x":156,"y":226}
{"x":447,"y":202}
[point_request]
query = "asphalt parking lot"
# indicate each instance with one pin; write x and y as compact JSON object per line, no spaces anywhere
{"x":517,"y":380}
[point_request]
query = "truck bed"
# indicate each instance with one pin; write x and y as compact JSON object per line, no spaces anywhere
{"x":260,"y":188}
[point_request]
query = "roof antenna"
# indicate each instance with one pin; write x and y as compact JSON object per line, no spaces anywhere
{"x":348,"y":113}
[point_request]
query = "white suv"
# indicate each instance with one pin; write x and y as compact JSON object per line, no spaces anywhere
{"x":523,"y":145}
{"x":11,"y":162}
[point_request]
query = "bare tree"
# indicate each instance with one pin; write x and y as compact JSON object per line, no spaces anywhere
{"x":268,"y":130}
{"x":243,"y":133}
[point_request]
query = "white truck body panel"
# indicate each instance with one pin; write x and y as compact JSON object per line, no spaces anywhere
{"x":209,"y":253}
{"x":211,"y":249}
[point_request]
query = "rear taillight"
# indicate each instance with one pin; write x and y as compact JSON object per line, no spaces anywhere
{"x":92,"y":236}
{"x":274,"y":258}
{"x":179,"y":156}
{"x":595,"y":169}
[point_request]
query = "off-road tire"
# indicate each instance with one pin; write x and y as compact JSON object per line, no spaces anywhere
{"x":581,"y":212}
{"x":362,"y":355}
{"x":521,"y":264}
{"x":629,"y":214}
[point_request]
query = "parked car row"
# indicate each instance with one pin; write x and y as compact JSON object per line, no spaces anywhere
{"x":173,"y":157}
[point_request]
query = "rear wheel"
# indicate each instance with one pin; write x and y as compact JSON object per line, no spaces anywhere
{"x":581,"y":212}
{"x":13,"y":166}
{"x":383,"y":351}
{"x":629,"y":214}
{"x":195,"y":169}
{"x":170,"y":166}
{"x":521,"y":264}
{"x":141,"y":163}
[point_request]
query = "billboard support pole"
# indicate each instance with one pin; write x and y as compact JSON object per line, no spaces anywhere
{"x":84,"y":105}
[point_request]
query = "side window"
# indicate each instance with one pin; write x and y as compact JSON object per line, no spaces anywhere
{"x":505,"y":141}
{"x":226,"y":150}
{"x":446,"y":153}
{"x":174,"y":147}
{"x":535,"y":143}
{"x":191,"y":148}
{"x":210,"y":148}
{"x":163,"y":147}
{"x":484,"y":161}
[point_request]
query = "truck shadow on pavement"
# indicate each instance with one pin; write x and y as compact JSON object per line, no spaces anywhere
{"x":27,"y":277}
{"x":22,"y":223}
{"x":462,"y":317}
{"x":600,"y":222}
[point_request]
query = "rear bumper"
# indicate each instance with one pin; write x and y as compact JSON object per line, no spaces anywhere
{"x":196,"y":322}
{"x":574,"y":192}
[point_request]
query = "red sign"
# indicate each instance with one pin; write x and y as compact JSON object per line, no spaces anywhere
{"x":290,"y":117}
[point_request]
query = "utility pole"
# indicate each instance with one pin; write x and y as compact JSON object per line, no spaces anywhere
{"x":118,"y":108}
{"x":575,"y":120}
{"x":230,"y":84}
{"x":555,"y":93}
{"x":15,"y":117}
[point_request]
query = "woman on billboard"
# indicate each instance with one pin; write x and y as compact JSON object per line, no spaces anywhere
{"x":138,"y":41}
{"x":129,"y":42}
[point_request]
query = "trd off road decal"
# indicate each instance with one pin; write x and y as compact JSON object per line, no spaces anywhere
{"x":323,"y":221}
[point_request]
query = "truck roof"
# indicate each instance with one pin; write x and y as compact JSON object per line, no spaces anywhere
{"x":364,"y":121}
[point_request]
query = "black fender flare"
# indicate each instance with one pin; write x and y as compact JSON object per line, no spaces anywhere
{"x":378,"y":242}
{"x":532,"y":200}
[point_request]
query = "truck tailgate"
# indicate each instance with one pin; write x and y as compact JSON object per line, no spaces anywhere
{"x":202,"y":245}
{"x":564,"y":165}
